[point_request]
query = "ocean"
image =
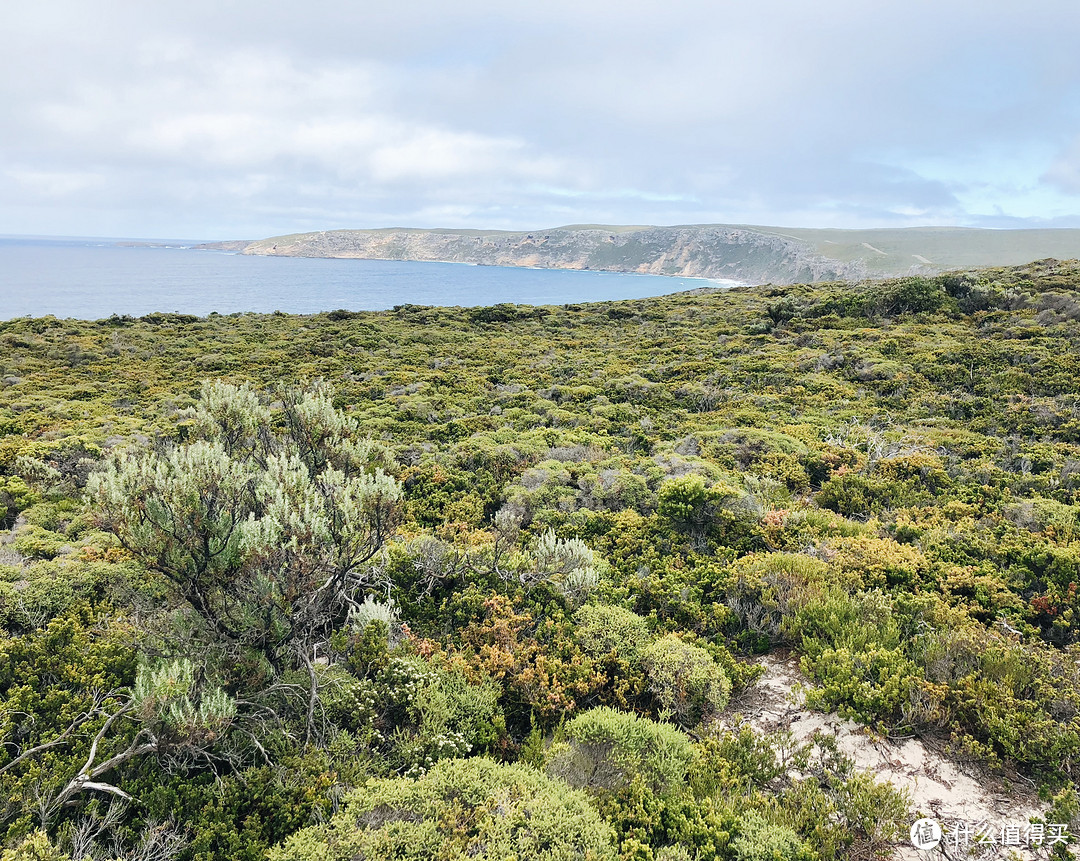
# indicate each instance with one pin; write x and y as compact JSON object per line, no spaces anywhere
{"x":92,"y":279}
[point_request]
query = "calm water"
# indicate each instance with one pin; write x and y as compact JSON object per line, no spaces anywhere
{"x":93,"y":279}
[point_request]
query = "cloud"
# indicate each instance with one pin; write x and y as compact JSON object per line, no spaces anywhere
{"x":269,"y":117}
{"x":53,"y":184}
{"x":1064,"y":172}
{"x":274,"y":125}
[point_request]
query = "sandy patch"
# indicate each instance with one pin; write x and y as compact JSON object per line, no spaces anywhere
{"x":938,"y":787}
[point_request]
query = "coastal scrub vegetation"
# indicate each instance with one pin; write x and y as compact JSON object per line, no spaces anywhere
{"x":480,"y":583}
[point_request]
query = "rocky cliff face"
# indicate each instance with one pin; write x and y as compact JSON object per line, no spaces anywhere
{"x":699,"y":252}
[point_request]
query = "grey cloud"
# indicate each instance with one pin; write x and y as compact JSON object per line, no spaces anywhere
{"x":269,"y":117}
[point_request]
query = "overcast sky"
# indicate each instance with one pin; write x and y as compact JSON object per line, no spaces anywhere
{"x":239,"y":119}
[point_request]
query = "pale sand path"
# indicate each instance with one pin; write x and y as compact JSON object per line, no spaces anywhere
{"x":937,"y":786}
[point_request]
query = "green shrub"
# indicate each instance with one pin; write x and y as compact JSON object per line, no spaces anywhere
{"x":34,"y":847}
{"x":761,"y":840}
{"x":691,"y":504}
{"x":414,"y":713}
{"x":15,"y":496}
{"x":75,"y":669}
{"x":876,"y":814}
{"x":714,"y":512}
{"x":737,"y":759}
{"x":1007,"y":700}
{"x":852,"y":646}
{"x":461,"y":809}
{"x":453,"y":704}
{"x":38,"y":543}
{"x":1061,"y":522}
{"x":606,"y":749}
{"x":652,"y":825}
{"x":602,"y":629}
{"x":237,"y":816}
{"x":768,"y":588}
{"x":906,"y":296}
{"x":685,"y":680}
{"x":54,"y":515}
{"x":846,"y":814}
{"x":249,"y":526}
{"x":855,"y":495}
{"x":32,"y":599}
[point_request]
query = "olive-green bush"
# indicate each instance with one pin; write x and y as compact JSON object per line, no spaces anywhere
{"x":604,"y":629}
{"x":606,"y":749}
{"x":761,"y":840}
{"x":685,"y":680}
{"x":460,"y":809}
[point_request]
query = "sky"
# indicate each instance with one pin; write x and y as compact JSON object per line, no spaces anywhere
{"x":234,"y":119}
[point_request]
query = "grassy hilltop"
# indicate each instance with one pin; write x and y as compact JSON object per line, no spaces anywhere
{"x":891,"y":252}
{"x":498,"y":584}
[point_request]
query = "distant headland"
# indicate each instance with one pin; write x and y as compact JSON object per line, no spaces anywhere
{"x":750,"y":254}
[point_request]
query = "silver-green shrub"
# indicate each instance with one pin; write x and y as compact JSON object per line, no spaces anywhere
{"x":262,"y":534}
{"x":373,"y":610}
{"x":568,"y":564}
{"x":761,"y":840}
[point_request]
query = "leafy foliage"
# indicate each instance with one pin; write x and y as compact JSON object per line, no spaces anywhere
{"x":606,"y":749}
{"x":260,"y":534}
{"x":685,"y":680}
{"x":460,"y":809}
{"x":555,"y":537}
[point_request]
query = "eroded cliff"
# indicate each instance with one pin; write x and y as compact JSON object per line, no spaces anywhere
{"x":700,"y":252}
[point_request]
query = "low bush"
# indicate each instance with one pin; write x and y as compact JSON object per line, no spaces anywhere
{"x":460,"y":809}
{"x":606,"y":749}
{"x":603,"y":629}
{"x":685,"y":680}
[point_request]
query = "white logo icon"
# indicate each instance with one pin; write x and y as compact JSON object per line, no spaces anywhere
{"x":925,"y":834}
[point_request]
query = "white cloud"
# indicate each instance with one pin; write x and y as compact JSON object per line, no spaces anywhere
{"x":251,"y":112}
{"x":502,"y":114}
{"x":53,"y":184}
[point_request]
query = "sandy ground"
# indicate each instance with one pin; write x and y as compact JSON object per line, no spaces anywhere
{"x":937,"y":786}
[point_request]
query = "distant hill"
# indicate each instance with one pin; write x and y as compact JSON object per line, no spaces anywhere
{"x":751,"y":254}
{"x":891,"y":251}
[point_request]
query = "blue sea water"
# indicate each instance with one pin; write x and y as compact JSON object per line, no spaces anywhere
{"x":93,"y":279}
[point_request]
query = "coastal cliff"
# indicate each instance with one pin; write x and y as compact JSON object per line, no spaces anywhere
{"x":717,"y":252}
{"x":747,"y":254}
